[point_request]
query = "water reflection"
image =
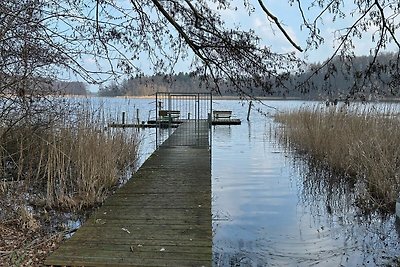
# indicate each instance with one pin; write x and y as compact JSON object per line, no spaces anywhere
{"x":272,"y":209}
{"x":222,"y":131}
{"x":365,"y":239}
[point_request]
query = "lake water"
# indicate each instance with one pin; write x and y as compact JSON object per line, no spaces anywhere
{"x":269,"y":208}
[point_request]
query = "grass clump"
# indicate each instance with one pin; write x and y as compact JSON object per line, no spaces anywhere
{"x":362,"y":144}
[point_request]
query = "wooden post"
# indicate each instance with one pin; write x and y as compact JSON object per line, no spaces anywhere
{"x":123,"y":117}
{"x":248,"y":112}
{"x":137,"y":118}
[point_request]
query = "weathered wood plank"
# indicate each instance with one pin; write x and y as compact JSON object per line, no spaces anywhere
{"x":132,"y":254}
{"x":144,"y":242}
{"x":199,"y":223}
{"x":107,"y":233}
{"x":139,"y":247}
{"x":161,"y":217}
{"x":115,"y":261}
{"x":143,"y":224}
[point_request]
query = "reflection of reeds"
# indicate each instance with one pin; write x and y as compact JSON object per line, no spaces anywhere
{"x":72,"y":164}
{"x":324,"y":191}
{"x":361,"y":143}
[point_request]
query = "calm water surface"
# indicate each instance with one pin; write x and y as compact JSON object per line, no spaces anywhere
{"x":269,"y":208}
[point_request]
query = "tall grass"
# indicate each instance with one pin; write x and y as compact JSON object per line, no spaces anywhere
{"x":71,"y":164}
{"x":361,"y":144}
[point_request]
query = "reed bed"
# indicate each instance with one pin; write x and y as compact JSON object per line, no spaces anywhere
{"x":359,"y":143}
{"x":71,"y":164}
{"x":54,"y":168}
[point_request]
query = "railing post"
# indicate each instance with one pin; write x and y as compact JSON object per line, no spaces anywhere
{"x":248,"y":112}
{"x":123,"y":117}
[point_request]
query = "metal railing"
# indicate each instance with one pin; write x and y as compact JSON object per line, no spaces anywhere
{"x":174,"y":109}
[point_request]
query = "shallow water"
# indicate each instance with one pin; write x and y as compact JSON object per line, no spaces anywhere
{"x":269,"y":208}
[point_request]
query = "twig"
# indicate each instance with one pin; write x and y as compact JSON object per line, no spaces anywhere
{"x":276,"y":21}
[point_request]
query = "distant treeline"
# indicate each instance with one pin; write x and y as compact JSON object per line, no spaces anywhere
{"x":148,"y":85}
{"x":70,"y":88}
{"x":358,"y":78}
{"x":178,"y":83}
{"x":337,"y":79}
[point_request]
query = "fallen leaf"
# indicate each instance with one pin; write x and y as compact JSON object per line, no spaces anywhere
{"x":99,"y":221}
{"x":126,"y":230}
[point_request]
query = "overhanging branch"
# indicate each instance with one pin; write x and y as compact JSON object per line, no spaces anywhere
{"x":276,"y":21}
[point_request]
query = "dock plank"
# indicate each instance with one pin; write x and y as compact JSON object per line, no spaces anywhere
{"x":161,"y":217}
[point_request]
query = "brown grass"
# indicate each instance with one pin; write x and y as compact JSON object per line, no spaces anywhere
{"x":70,"y":165}
{"x":361,"y":143}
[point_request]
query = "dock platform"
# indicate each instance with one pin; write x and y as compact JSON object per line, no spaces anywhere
{"x":160,"y":217}
{"x":175,"y":124}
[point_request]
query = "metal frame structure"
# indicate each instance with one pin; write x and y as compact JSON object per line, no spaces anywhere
{"x":178,"y":108}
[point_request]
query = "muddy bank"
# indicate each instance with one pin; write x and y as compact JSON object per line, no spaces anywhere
{"x":29,"y":230}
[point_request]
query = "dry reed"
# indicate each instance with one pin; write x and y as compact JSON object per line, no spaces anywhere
{"x":55,"y":167}
{"x":71,"y":165}
{"x":361,"y":143}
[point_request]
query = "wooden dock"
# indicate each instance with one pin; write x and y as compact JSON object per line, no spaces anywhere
{"x":226,"y":122}
{"x":161,"y":217}
{"x":175,"y":124}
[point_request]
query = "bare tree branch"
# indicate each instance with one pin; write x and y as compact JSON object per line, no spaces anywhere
{"x":276,"y":21}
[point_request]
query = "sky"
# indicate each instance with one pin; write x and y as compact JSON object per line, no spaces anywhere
{"x":290,"y":18}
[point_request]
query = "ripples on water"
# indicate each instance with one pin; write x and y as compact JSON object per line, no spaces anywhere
{"x":268,"y":211}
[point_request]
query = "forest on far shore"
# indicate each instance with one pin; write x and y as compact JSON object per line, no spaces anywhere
{"x":318,"y":81}
{"x":70,"y":88}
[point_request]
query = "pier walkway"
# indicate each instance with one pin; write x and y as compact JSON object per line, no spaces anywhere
{"x":161,"y":217}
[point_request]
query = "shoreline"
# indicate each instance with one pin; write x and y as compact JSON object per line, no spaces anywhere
{"x":218,"y":97}
{"x":214,"y":97}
